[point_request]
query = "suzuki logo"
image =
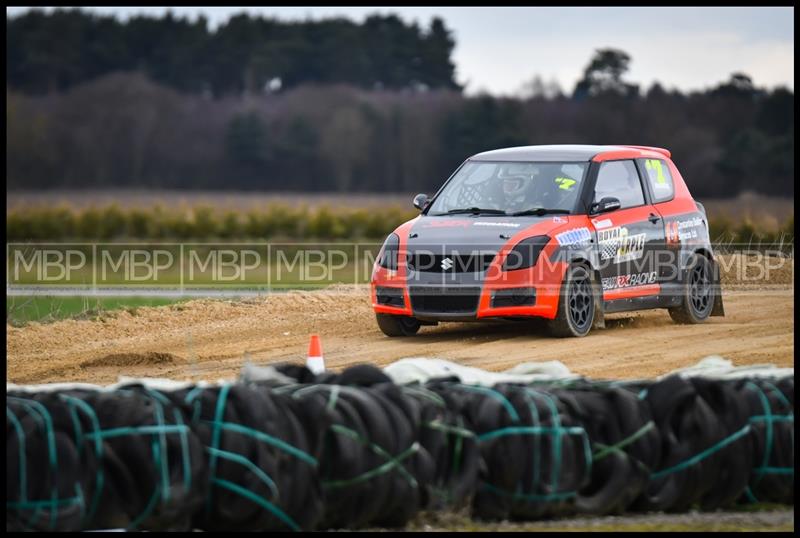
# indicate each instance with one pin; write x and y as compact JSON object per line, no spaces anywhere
{"x":446,"y":264}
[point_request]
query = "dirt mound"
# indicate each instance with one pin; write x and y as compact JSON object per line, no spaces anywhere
{"x":132,"y":359}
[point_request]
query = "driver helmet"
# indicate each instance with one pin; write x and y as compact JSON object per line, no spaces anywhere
{"x":516,"y":178}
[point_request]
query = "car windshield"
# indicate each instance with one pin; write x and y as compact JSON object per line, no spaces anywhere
{"x":511,"y":187}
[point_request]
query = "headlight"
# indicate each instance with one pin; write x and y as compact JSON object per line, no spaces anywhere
{"x":387,"y":257}
{"x":525,"y":253}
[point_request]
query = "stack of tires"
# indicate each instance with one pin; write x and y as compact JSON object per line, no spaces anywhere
{"x":285,"y":449}
{"x":373,"y":469}
{"x":626,"y":444}
{"x":92,"y":459}
{"x":534,"y":455}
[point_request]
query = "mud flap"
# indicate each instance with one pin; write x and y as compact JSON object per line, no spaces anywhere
{"x":718,"y":309}
{"x":599,"y":306}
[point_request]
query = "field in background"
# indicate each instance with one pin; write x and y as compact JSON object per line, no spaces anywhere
{"x":24,"y":309}
{"x":137,"y":215}
{"x":64,"y":216}
{"x":218,"y":199}
{"x":754,"y":206}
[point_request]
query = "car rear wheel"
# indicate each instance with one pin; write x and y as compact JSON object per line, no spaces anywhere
{"x":576,"y":306}
{"x":392,"y":325}
{"x":698,"y":294}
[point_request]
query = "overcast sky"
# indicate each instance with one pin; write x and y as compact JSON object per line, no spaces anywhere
{"x":498,"y":49}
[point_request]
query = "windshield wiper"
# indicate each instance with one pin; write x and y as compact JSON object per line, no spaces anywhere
{"x":475,"y":211}
{"x":539,"y":211}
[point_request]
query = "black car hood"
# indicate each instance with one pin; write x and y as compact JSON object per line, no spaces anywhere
{"x":471,"y":232}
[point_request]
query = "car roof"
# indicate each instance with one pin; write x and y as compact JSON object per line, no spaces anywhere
{"x":559,"y":152}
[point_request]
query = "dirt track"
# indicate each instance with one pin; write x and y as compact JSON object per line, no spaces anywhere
{"x":210,"y":339}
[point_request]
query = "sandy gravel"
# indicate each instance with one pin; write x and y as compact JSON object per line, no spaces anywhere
{"x":775,"y":519}
{"x":211,"y":339}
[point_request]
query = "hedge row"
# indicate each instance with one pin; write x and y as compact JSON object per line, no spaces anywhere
{"x":277,"y":221}
{"x":289,"y":450}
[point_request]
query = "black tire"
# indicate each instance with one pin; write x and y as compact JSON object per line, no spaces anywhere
{"x":576,"y":306}
{"x":698,"y":293}
{"x":392,"y":325}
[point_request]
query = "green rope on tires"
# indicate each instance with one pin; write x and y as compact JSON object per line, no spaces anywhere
{"x":23,"y":466}
{"x":219,"y":425}
{"x":425,"y":393}
{"x":492,"y":394}
{"x":95,"y":437}
{"x":556,"y":430}
{"x":36,"y":409}
{"x":769,"y":419}
{"x":261,"y":501}
{"x":392,"y":462}
{"x":238,"y":458}
{"x":458,"y":431}
{"x":605,"y":450}
{"x":537,"y":441}
{"x":266,"y":438}
{"x":702,"y":455}
{"x":460,"y":434}
{"x":99,"y":480}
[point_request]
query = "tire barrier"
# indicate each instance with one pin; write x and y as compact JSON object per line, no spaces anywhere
{"x":534,"y":455}
{"x":770,"y":408}
{"x":284,"y":449}
{"x":373,"y":468}
{"x":626,"y":445}
{"x":99,"y":459}
{"x":262,"y":454}
{"x":704,"y":445}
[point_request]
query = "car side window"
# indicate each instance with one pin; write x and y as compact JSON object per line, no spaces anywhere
{"x":660,"y":178}
{"x":619,"y":179}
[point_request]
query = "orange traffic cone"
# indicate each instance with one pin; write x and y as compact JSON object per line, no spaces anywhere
{"x":315,"y":362}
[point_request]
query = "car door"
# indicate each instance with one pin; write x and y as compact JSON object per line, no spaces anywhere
{"x":627,"y":238}
{"x":660,"y":189}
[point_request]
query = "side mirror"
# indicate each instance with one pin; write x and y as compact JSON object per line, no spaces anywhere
{"x":605,"y":205}
{"x":420,"y":201}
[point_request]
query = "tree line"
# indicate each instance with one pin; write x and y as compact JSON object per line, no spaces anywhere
{"x":145,"y":125}
{"x":55,"y":51}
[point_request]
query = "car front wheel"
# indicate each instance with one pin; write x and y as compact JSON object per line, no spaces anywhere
{"x":576,"y":306}
{"x":392,"y":325}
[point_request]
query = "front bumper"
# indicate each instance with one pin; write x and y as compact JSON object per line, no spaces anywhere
{"x":468,"y":296}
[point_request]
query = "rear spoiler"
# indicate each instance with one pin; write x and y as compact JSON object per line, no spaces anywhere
{"x":662,"y":151}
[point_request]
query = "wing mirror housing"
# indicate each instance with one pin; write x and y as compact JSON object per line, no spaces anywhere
{"x":420,"y":201}
{"x":609,"y":203}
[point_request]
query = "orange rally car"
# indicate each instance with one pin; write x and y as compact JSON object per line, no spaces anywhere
{"x":561,"y":232}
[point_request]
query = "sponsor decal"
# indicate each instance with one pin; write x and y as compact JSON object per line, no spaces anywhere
{"x":575,"y":236}
{"x":559,"y":220}
{"x":618,"y":245}
{"x":672,"y":232}
{"x":629,"y":280}
{"x":447,"y":224}
{"x":446,"y":264}
{"x":600,"y":224}
{"x":681,"y":230}
{"x":505,"y":224}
